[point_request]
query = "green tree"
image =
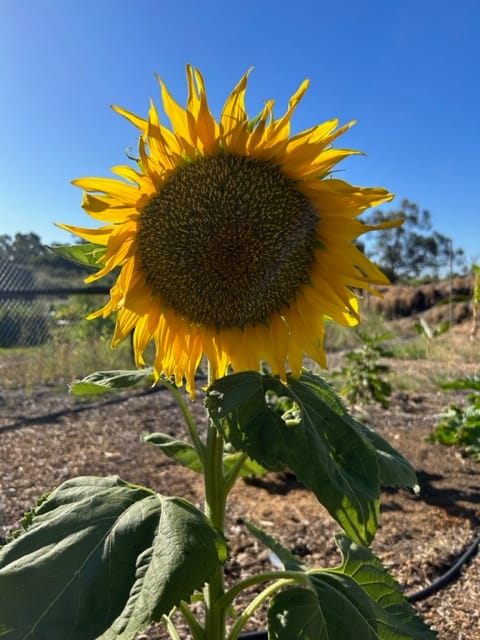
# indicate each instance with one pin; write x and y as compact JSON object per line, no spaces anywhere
{"x":414,"y":248}
{"x":26,"y":250}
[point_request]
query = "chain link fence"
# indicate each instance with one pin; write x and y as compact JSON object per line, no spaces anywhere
{"x":31,"y":316}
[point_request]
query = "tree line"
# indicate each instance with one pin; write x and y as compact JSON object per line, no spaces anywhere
{"x":26,"y":250}
{"x":414,"y":249}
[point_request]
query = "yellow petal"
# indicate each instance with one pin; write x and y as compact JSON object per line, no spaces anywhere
{"x":144,"y":331}
{"x":205,"y":125}
{"x":280,"y":129}
{"x":234,"y":118}
{"x":259,"y":130}
{"x":114,"y":188}
{"x":98,"y":236}
{"x":138,"y":122}
{"x":126,"y":321}
{"x":178,"y":118}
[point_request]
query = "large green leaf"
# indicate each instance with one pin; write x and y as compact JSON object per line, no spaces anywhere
{"x":394,"y":469}
{"x":102,"y":558}
{"x":88,"y":253}
{"x":370,"y":596}
{"x":324,"y":449}
{"x":358,"y":600}
{"x":104,"y":381}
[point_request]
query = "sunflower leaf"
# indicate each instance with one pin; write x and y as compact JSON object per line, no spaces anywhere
{"x":296,"y":613}
{"x":178,"y":450}
{"x":104,"y":381}
{"x":358,"y":600}
{"x":288,"y":560}
{"x":366,"y":600}
{"x":100,"y":558}
{"x":186,"y":455}
{"x":88,"y":253}
{"x":394,"y":469}
{"x":249,"y":467}
{"x":324,"y":448}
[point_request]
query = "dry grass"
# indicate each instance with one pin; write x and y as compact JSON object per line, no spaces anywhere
{"x":59,"y":362}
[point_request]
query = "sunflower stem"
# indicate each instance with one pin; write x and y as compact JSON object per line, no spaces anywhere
{"x":232,"y":476}
{"x":215,"y":507}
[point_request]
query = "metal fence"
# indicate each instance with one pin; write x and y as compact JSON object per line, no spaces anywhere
{"x":31,"y":315}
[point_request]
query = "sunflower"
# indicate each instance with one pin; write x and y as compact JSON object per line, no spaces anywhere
{"x":231,"y":237}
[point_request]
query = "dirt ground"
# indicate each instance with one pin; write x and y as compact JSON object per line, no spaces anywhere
{"x":48,"y":436}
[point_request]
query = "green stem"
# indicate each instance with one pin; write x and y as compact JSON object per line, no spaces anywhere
{"x":215,"y":506}
{"x":258,"y":600}
{"x":232,"y":475}
{"x":238,"y":587}
{"x":195,"y":628}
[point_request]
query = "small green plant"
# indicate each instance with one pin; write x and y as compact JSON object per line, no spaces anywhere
{"x":461,"y":425}
{"x":475,"y":299}
{"x":73,"y":314}
{"x":364,"y":376}
{"x":430,"y":333}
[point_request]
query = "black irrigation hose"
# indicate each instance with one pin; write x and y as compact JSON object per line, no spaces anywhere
{"x":448,"y":576}
{"x":432,"y":588}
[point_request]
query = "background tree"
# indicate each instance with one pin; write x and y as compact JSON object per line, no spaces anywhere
{"x":25,"y":249}
{"x":414,"y":249}
{"x":49,"y":269}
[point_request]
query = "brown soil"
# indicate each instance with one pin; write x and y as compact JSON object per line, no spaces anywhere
{"x":48,"y":437}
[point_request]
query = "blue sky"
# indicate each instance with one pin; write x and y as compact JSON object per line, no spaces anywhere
{"x":407,"y":70}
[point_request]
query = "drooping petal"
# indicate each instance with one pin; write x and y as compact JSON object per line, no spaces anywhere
{"x":98,"y":236}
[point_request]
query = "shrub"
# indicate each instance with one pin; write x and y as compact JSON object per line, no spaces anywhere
{"x":461,"y":425}
{"x":363,"y":376}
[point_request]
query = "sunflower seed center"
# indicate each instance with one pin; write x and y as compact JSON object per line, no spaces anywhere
{"x":227,"y":241}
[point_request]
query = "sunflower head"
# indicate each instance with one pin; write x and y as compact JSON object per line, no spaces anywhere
{"x":231,"y":237}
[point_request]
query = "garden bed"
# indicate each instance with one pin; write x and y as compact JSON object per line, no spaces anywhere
{"x":48,"y":436}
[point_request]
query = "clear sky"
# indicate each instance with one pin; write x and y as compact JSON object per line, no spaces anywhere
{"x":407,"y":70}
